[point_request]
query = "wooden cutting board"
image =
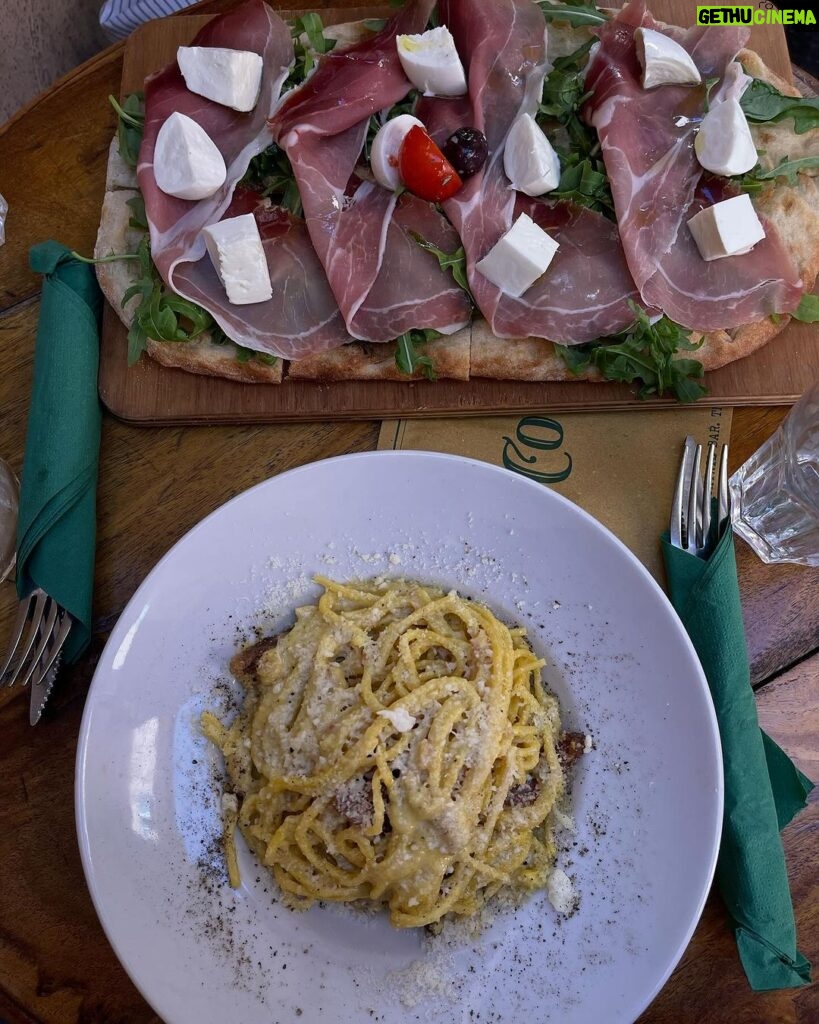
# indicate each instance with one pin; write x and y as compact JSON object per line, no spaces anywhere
{"x":151,"y":394}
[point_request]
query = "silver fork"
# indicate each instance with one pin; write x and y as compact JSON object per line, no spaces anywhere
{"x":38,"y":636}
{"x":691,"y":527}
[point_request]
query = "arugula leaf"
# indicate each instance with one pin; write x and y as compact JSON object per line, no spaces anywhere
{"x":161,"y":314}
{"x":709,"y":85}
{"x":563,"y":89}
{"x":757,"y":179}
{"x":687,"y":387}
{"x":808,"y":310}
{"x":575,"y":13}
{"x":271,"y":174}
{"x":454,"y":261}
{"x":243,"y":355}
{"x":131,"y":123}
{"x":586,"y":184}
{"x":646,"y":353}
{"x":137,"y":343}
{"x":583,"y":178}
{"x":576,"y":357}
{"x":111,"y":258}
{"x":761,"y":103}
{"x":308,"y":25}
{"x":407,"y":357}
{"x":138,"y":218}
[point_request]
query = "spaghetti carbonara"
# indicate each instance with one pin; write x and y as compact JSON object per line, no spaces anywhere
{"x":395,"y":746}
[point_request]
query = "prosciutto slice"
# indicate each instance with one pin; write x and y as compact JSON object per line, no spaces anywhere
{"x":302,"y":316}
{"x":586,"y":290}
{"x":647,"y":140}
{"x":383,"y":282}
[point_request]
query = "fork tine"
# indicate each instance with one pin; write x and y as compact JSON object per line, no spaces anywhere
{"x":16,"y":633}
{"x":31,"y":610}
{"x":44,"y":636}
{"x":693,"y":517}
{"x":52,"y":650}
{"x":706,"y":494}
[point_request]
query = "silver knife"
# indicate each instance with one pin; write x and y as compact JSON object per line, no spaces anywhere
{"x":46,"y":673}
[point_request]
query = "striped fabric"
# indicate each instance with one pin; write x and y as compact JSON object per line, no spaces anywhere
{"x":119,"y":17}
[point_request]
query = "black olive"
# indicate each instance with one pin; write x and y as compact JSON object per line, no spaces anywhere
{"x":466,"y":150}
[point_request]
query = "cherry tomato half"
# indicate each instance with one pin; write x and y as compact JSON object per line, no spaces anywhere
{"x":424,"y":168}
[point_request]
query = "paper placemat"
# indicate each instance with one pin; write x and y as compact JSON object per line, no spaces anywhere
{"x":620,"y":467}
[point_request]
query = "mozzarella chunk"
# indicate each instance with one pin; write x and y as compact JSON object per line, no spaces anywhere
{"x":431,"y":62}
{"x":235,"y":249}
{"x":386,"y":147}
{"x":229,"y":77}
{"x":187,"y":163}
{"x":664,"y":61}
{"x":724,"y":144}
{"x":530,"y":162}
{"x":519,"y":257}
{"x":729,"y":228}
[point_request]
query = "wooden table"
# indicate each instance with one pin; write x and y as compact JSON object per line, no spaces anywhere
{"x":155,"y":483}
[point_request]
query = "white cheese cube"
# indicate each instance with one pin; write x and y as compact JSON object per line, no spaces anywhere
{"x":724,"y":144}
{"x":229,"y":77}
{"x":729,"y":228}
{"x":530,"y":162}
{"x":519,"y":257}
{"x":187,"y":163}
{"x":431,"y":62}
{"x":664,"y":61}
{"x":235,"y":249}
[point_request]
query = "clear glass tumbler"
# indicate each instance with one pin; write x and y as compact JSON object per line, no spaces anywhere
{"x":9,"y":500}
{"x":775,"y":495}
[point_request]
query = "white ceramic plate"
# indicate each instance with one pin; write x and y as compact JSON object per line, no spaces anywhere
{"x":647,"y":799}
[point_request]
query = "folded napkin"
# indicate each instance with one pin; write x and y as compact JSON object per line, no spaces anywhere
{"x":57,"y":524}
{"x":119,"y":17}
{"x":763,"y":789}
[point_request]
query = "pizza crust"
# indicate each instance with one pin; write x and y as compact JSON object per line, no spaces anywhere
{"x":475,"y":351}
{"x":519,"y":358}
{"x":369,"y":361}
{"x":116,"y":236}
{"x":119,"y":174}
{"x":204,"y":356}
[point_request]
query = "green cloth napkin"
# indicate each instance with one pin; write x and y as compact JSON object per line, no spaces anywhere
{"x":57,"y":525}
{"x":763,"y":788}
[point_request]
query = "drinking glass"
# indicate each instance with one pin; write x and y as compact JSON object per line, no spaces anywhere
{"x":9,"y":500}
{"x":775,"y":495}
